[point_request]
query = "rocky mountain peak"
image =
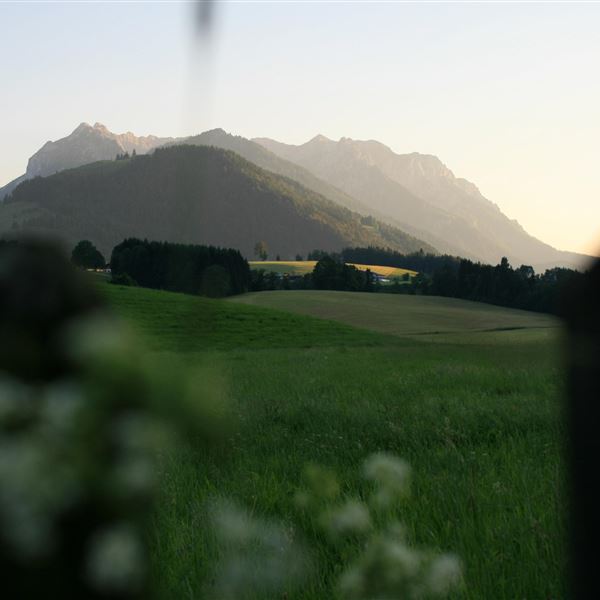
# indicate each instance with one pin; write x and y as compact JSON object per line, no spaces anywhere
{"x":318,"y":139}
{"x":81,"y":128}
{"x":102,"y":128}
{"x":216,"y":131}
{"x":85,"y":145}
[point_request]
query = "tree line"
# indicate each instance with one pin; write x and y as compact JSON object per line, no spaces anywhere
{"x":438,"y":275}
{"x":219,"y":272}
{"x":452,"y":276}
{"x":126,"y":156}
{"x":328,"y":274}
{"x":192,"y":269}
{"x":502,"y":284}
{"x":416,"y":261}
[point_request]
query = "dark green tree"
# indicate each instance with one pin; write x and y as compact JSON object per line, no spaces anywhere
{"x":332,"y":274}
{"x":326,"y":274}
{"x":86,"y":255}
{"x":216,"y":282}
{"x":181,"y":267}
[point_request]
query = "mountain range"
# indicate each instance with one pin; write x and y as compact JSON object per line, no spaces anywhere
{"x":419,"y":194}
{"x":191,"y":194}
{"x":393,"y":193}
{"x":85,"y":145}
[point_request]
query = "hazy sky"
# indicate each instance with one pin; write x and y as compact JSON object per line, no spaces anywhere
{"x":508,"y":96}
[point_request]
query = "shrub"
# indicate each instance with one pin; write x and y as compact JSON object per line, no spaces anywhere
{"x":123,"y":279}
{"x":86,"y":255}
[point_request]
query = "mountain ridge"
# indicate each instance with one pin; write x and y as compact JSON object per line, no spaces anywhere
{"x":414,"y":192}
{"x":190,"y":194}
{"x":84,"y":145}
{"x":450,"y":209}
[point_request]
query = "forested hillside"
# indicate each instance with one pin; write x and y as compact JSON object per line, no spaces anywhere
{"x":191,"y":194}
{"x":263,"y":158}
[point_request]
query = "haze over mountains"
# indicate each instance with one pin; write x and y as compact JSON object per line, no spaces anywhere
{"x":414,"y":193}
{"x":421,"y":195}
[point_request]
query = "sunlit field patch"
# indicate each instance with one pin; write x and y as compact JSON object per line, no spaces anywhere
{"x":302,"y":267}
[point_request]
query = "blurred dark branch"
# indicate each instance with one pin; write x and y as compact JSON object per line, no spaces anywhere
{"x":581,"y":310}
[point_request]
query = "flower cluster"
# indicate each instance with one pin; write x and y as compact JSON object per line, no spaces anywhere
{"x":77,"y":466}
{"x":391,"y":476}
{"x":388,"y":568}
{"x":259,"y":558}
{"x":84,"y":416}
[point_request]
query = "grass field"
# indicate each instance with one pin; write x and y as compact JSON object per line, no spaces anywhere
{"x":478,"y":417}
{"x":402,"y":314}
{"x":302,"y":267}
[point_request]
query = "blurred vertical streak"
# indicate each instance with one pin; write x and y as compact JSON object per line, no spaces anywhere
{"x":582,"y":313}
{"x":197,"y":107}
{"x":197,"y":104}
{"x":204,"y":14}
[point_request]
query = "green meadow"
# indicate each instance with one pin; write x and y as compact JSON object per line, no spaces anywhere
{"x":467,"y":393}
{"x":402,"y":315}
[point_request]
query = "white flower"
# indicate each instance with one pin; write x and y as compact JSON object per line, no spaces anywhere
{"x":399,"y":561}
{"x":34,"y":489}
{"x":390,"y":474}
{"x":96,"y":337}
{"x":257,"y":557}
{"x":351,"y":518}
{"x":234,"y":526}
{"x":135,"y":432}
{"x":61,"y":405}
{"x":444,"y":574}
{"x":116,"y":560}
{"x":387,"y":569}
{"x":135,"y":474}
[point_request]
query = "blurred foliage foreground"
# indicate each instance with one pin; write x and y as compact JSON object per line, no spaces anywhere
{"x":85,"y":416}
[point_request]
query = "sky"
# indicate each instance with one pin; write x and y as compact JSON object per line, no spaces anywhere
{"x":506,"y":95}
